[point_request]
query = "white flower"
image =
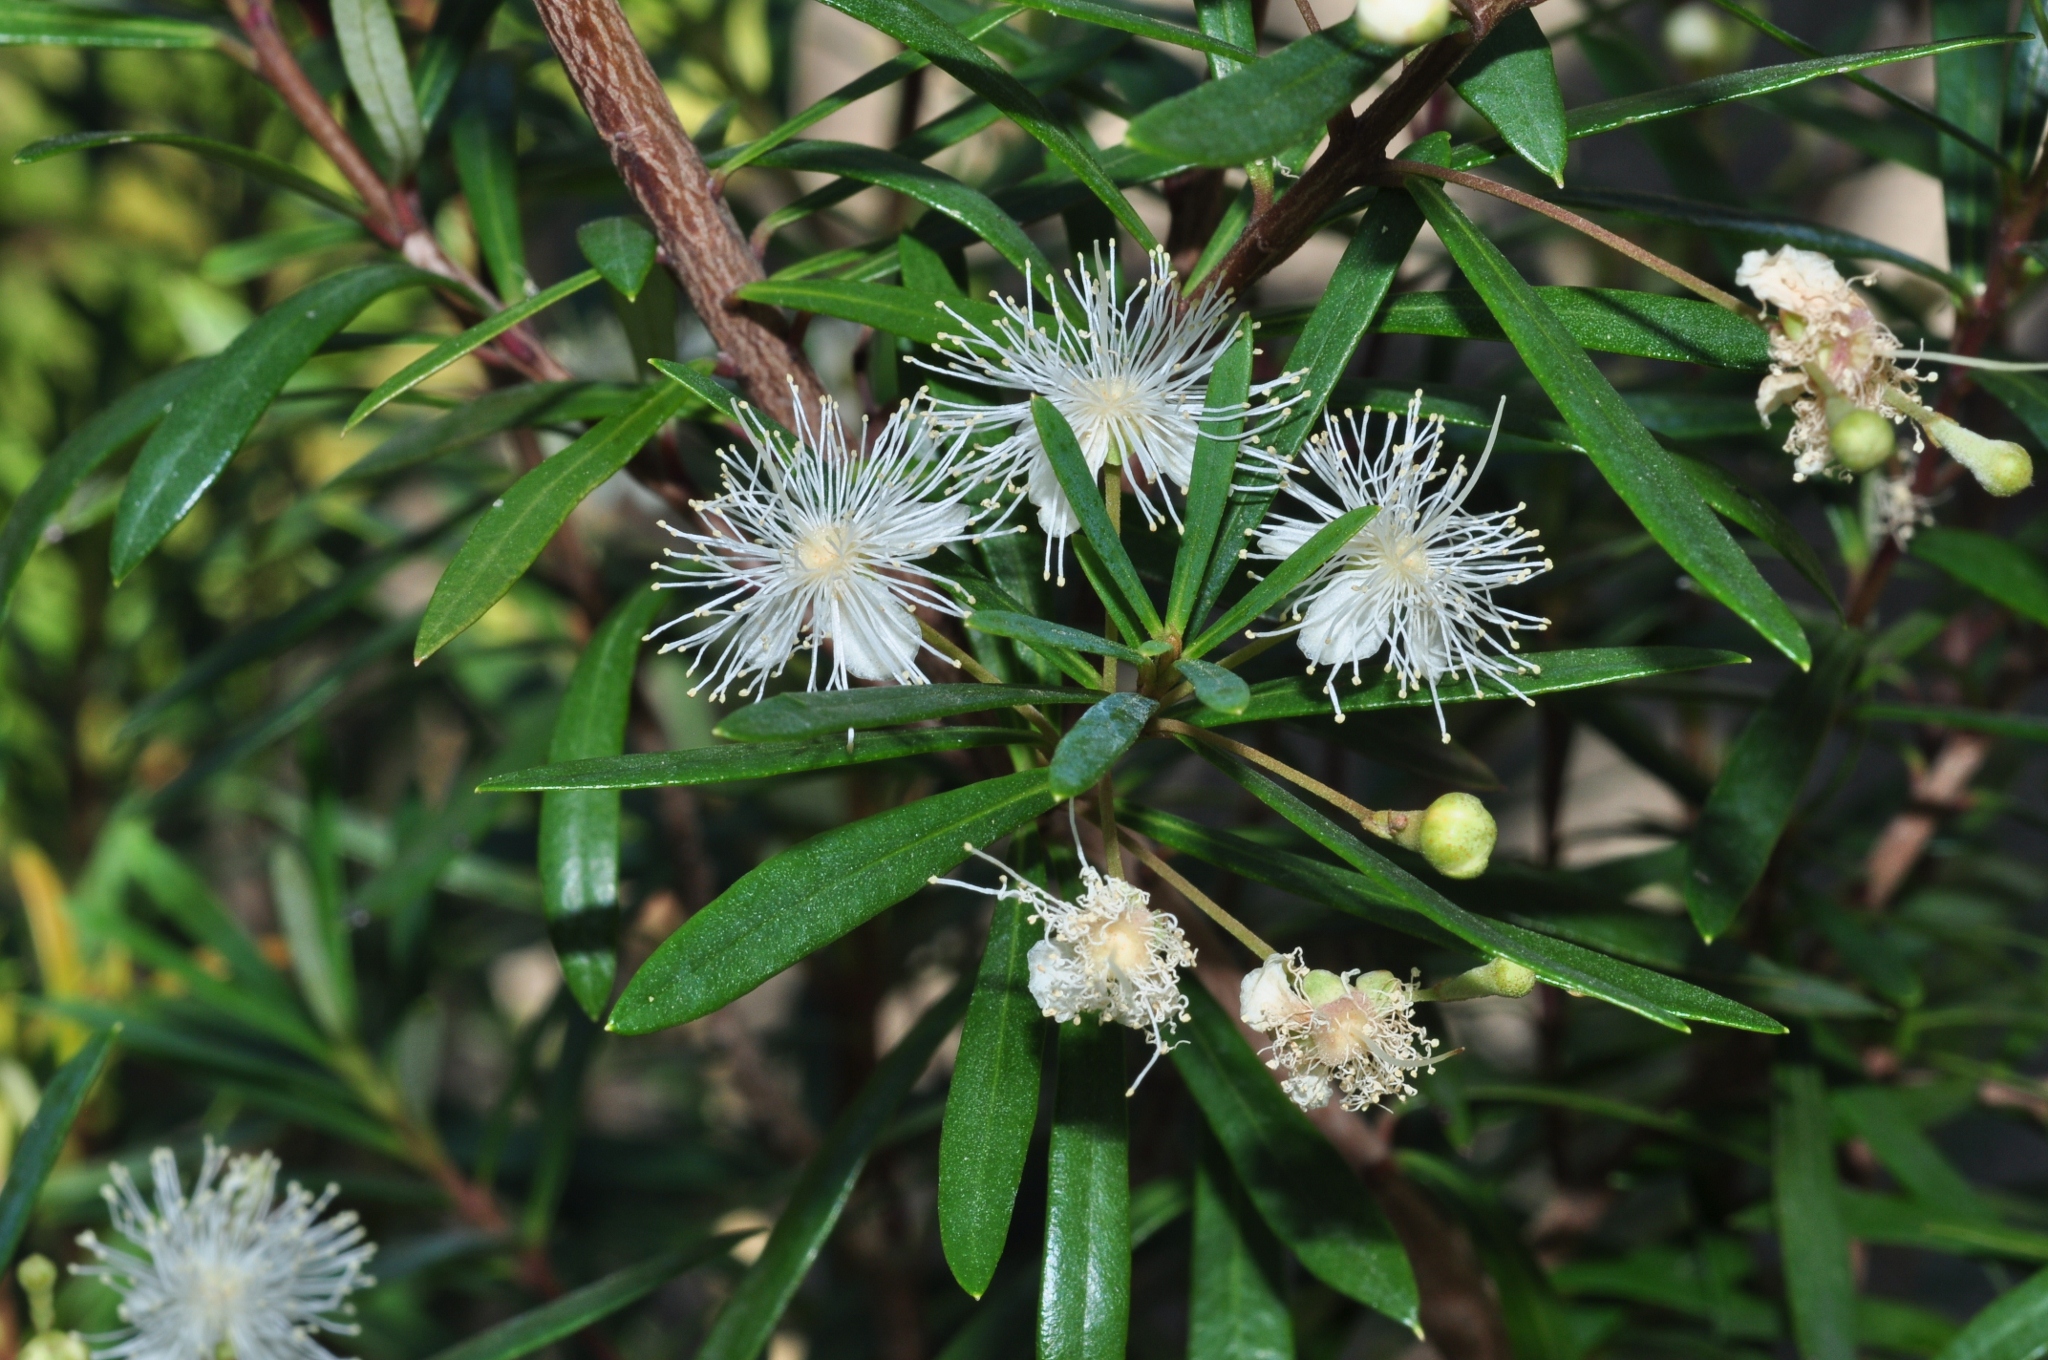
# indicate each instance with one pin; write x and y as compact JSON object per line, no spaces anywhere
{"x":1418,"y":579}
{"x":1892,"y":509}
{"x":1331,"y":1032}
{"x":1130,"y":377}
{"x":817,"y":543}
{"x":227,"y":1271}
{"x":1108,"y":955}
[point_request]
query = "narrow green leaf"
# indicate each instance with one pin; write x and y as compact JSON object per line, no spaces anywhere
{"x":1070,"y":465}
{"x":513,"y":531}
{"x":2013,"y":1327}
{"x":899,"y":311}
{"x":255,"y":256}
{"x":458,"y":347}
{"x":1820,"y":1283}
{"x":267,"y":168}
{"x":128,"y":417}
{"x":1300,"y":564}
{"x":1611,"y":320}
{"x":529,"y":405}
{"x":916,"y":27}
{"x":1640,"y":470}
{"x":580,"y":1308}
{"x":747,"y":760}
{"x":2023,"y":394}
{"x":2020,"y":726}
{"x":1144,"y":23}
{"x":1231,"y":21}
{"x":992,"y":1104}
{"x":809,"y":896}
{"x":695,"y":378}
{"x":1991,"y":566}
{"x":184,"y":897}
{"x":744,"y":1326}
{"x":374,"y":58}
{"x":215,"y":413}
{"x":43,"y":1140}
{"x":1084,"y":1288}
{"x":1512,"y":81}
{"x":1760,"y":782}
{"x":485,"y":166}
{"x":1091,"y":748}
{"x":1969,"y":91}
{"x":620,"y":249}
{"x":1215,"y":465}
{"x":1237,"y":1303}
{"x":828,"y":713}
{"x":1305,"y":1193}
{"x":1881,"y":1119}
{"x":1024,"y":628}
{"x":318,"y":938}
{"x":1299,"y":696}
{"x":1737,"y":504}
{"x":1216,"y":688}
{"x":1268,"y":106}
{"x":458,"y":26}
{"x":579,"y":828}
{"x":44,"y":23}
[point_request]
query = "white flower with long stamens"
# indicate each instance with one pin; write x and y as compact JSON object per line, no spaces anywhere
{"x":817,"y":543}
{"x":1354,"y":1034}
{"x":227,"y":1272}
{"x":1418,"y":579}
{"x":1109,"y":955}
{"x":1130,"y":375}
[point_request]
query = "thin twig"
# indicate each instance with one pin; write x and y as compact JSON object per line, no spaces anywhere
{"x":1251,"y":755}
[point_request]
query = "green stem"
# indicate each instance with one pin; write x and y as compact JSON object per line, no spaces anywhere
{"x":1238,"y":930}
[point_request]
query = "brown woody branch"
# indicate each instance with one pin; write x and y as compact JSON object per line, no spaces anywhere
{"x":701,"y":242}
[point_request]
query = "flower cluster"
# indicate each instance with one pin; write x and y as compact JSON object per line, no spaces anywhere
{"x":1418,"y":579}
{"x":227,"y":1272}
{"x":1351,"y":1034}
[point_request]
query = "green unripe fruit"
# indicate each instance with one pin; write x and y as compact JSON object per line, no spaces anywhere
{"x":1403,"y":23}
{"x":1322,"y":986}
{"x":1502,"y":977}
{"x":1861,"y":440}
{"x":1457,"y":836}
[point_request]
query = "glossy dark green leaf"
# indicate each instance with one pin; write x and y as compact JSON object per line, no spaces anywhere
{"x":1760,"y":782}
{"x":830,"y":712}
{"x":743,"y":1327}
{"x":458,"y":26}
{"x":1969,"y":91}
{"x":1024,"y":628}
{"x":1512,"y":81}
{"x":482,"y":140}
{"x":1624,"y":65}
{"x":1640,"y":470}
{"x":1216,"y":688}
{"x":2020,"y":726}
{"x":1143,"y":23}
{"x":209,"y":421}
{"x":2023,"y":394}
{"x":1131,"y":600}
{"x":529,"y":405}
{"x":1303,"y":1191}
{"x":255,"y":256}
{"x":579,"y":828}
{"x":619,"y":248}
{"x":1737,"y":504}
{"x":1880,"y":1117}
{"x":2013,"y":1327}
{"x":992,"y":1104}
{"x":1885,"y":134}
{"x":1301,"y":695}
{"x":1091,"y":748}
{"x":1237,"y":1303}
{"x":899,"y":311}
{"x":43,"y":1140}
{"x":267,"y":168}
{"x":1282,"y":580}
{"x":1215,"y":466}
{"x":1268,"y":106}
{"x":519,"y":524}
{"x":748,"y":760}
{"x":1084,"y":1290}
{"x":1991,"y":566}
{"x":127,"y":417}
{"x":916,"y":27}
{"x":810,"y":895}
{"x":1820,"y":1283}
{"x":43,"y":23}
{"x":1611,"y":320}
{"x":374,"y":58}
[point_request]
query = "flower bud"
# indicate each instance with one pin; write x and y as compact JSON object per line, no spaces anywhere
{"x":38,"y":1279}
{"x":1502,"y":977}
{"x":1403,"y":23}
{"x":55,"y":1346}
{"x":1321,"y":986}
{"x":1266,"y":998}
{"x":1456,"y":835}
{"x":2000,"y":466}
{"x":1860,"y":439}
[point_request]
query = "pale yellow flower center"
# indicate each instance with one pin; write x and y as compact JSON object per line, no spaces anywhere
{"x":826,"y":550}
{"x":1127,"y":941}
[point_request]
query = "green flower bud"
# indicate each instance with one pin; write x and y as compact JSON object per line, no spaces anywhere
{"x":55,"y":1346}
{"x":1321,"y":986}
{"x":1403,"y":23}
{"x":1502,"y":977}
{"x":1456,"y":836}
{"x":1860,"y":439}
{"x":38,"y":1278}
{"x":2000,"y":466}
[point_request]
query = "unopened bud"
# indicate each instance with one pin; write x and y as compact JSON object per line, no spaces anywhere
{"x":1321,"y":986}
{"x":1502,"y":977}
{"x":38,"y":1277}
{"x":55,"y":1346}
{"x":1860,"y":439}
{"x":1403,"y":23}
{"x":2000,"y":466}
{"x":1455,"y":834}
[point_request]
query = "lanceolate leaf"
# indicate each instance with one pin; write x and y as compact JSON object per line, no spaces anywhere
{"x":1760,"y":784}
{"x":102,"y":436}
{"x":748,"y":760}
{"x":1989,"y":565}
{"x":248,"y":162}
{"x":481,"y":139}
{"x":1084,"y":1292}
{"x":1306,"y":1195}
{"x":1237,"y":1302}
{"x":1611,"y":320}
{"x":43,"y":1140}
{"x":1144,"y":25}
{"x":1071,"y":466}
{"x":748,"y":1319}
{"x":1736,"y":503}
{"x":2021,"y":726}
{"x":529,"y":405}
{"x":1003,"y":623}
{"x":1820,"y":1284}
{"x":515,"y":529}
{"x":1092,"y":746}
{"x":809,"y":896}
{"x":375,"y":61}
{"x":1214,"y":463}
{"x":209,"y":420}
{"x":45,"y":23}
{"x":992,"y":1104}
{"x":1641,"y":472}
{"x":1301,"y":564}
{"x":1511,"y":79}
{"x":579,"y":829}
{"x":1969,"y":85}
{"x":832,"y":712}
{"x":2014,"y":1327}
